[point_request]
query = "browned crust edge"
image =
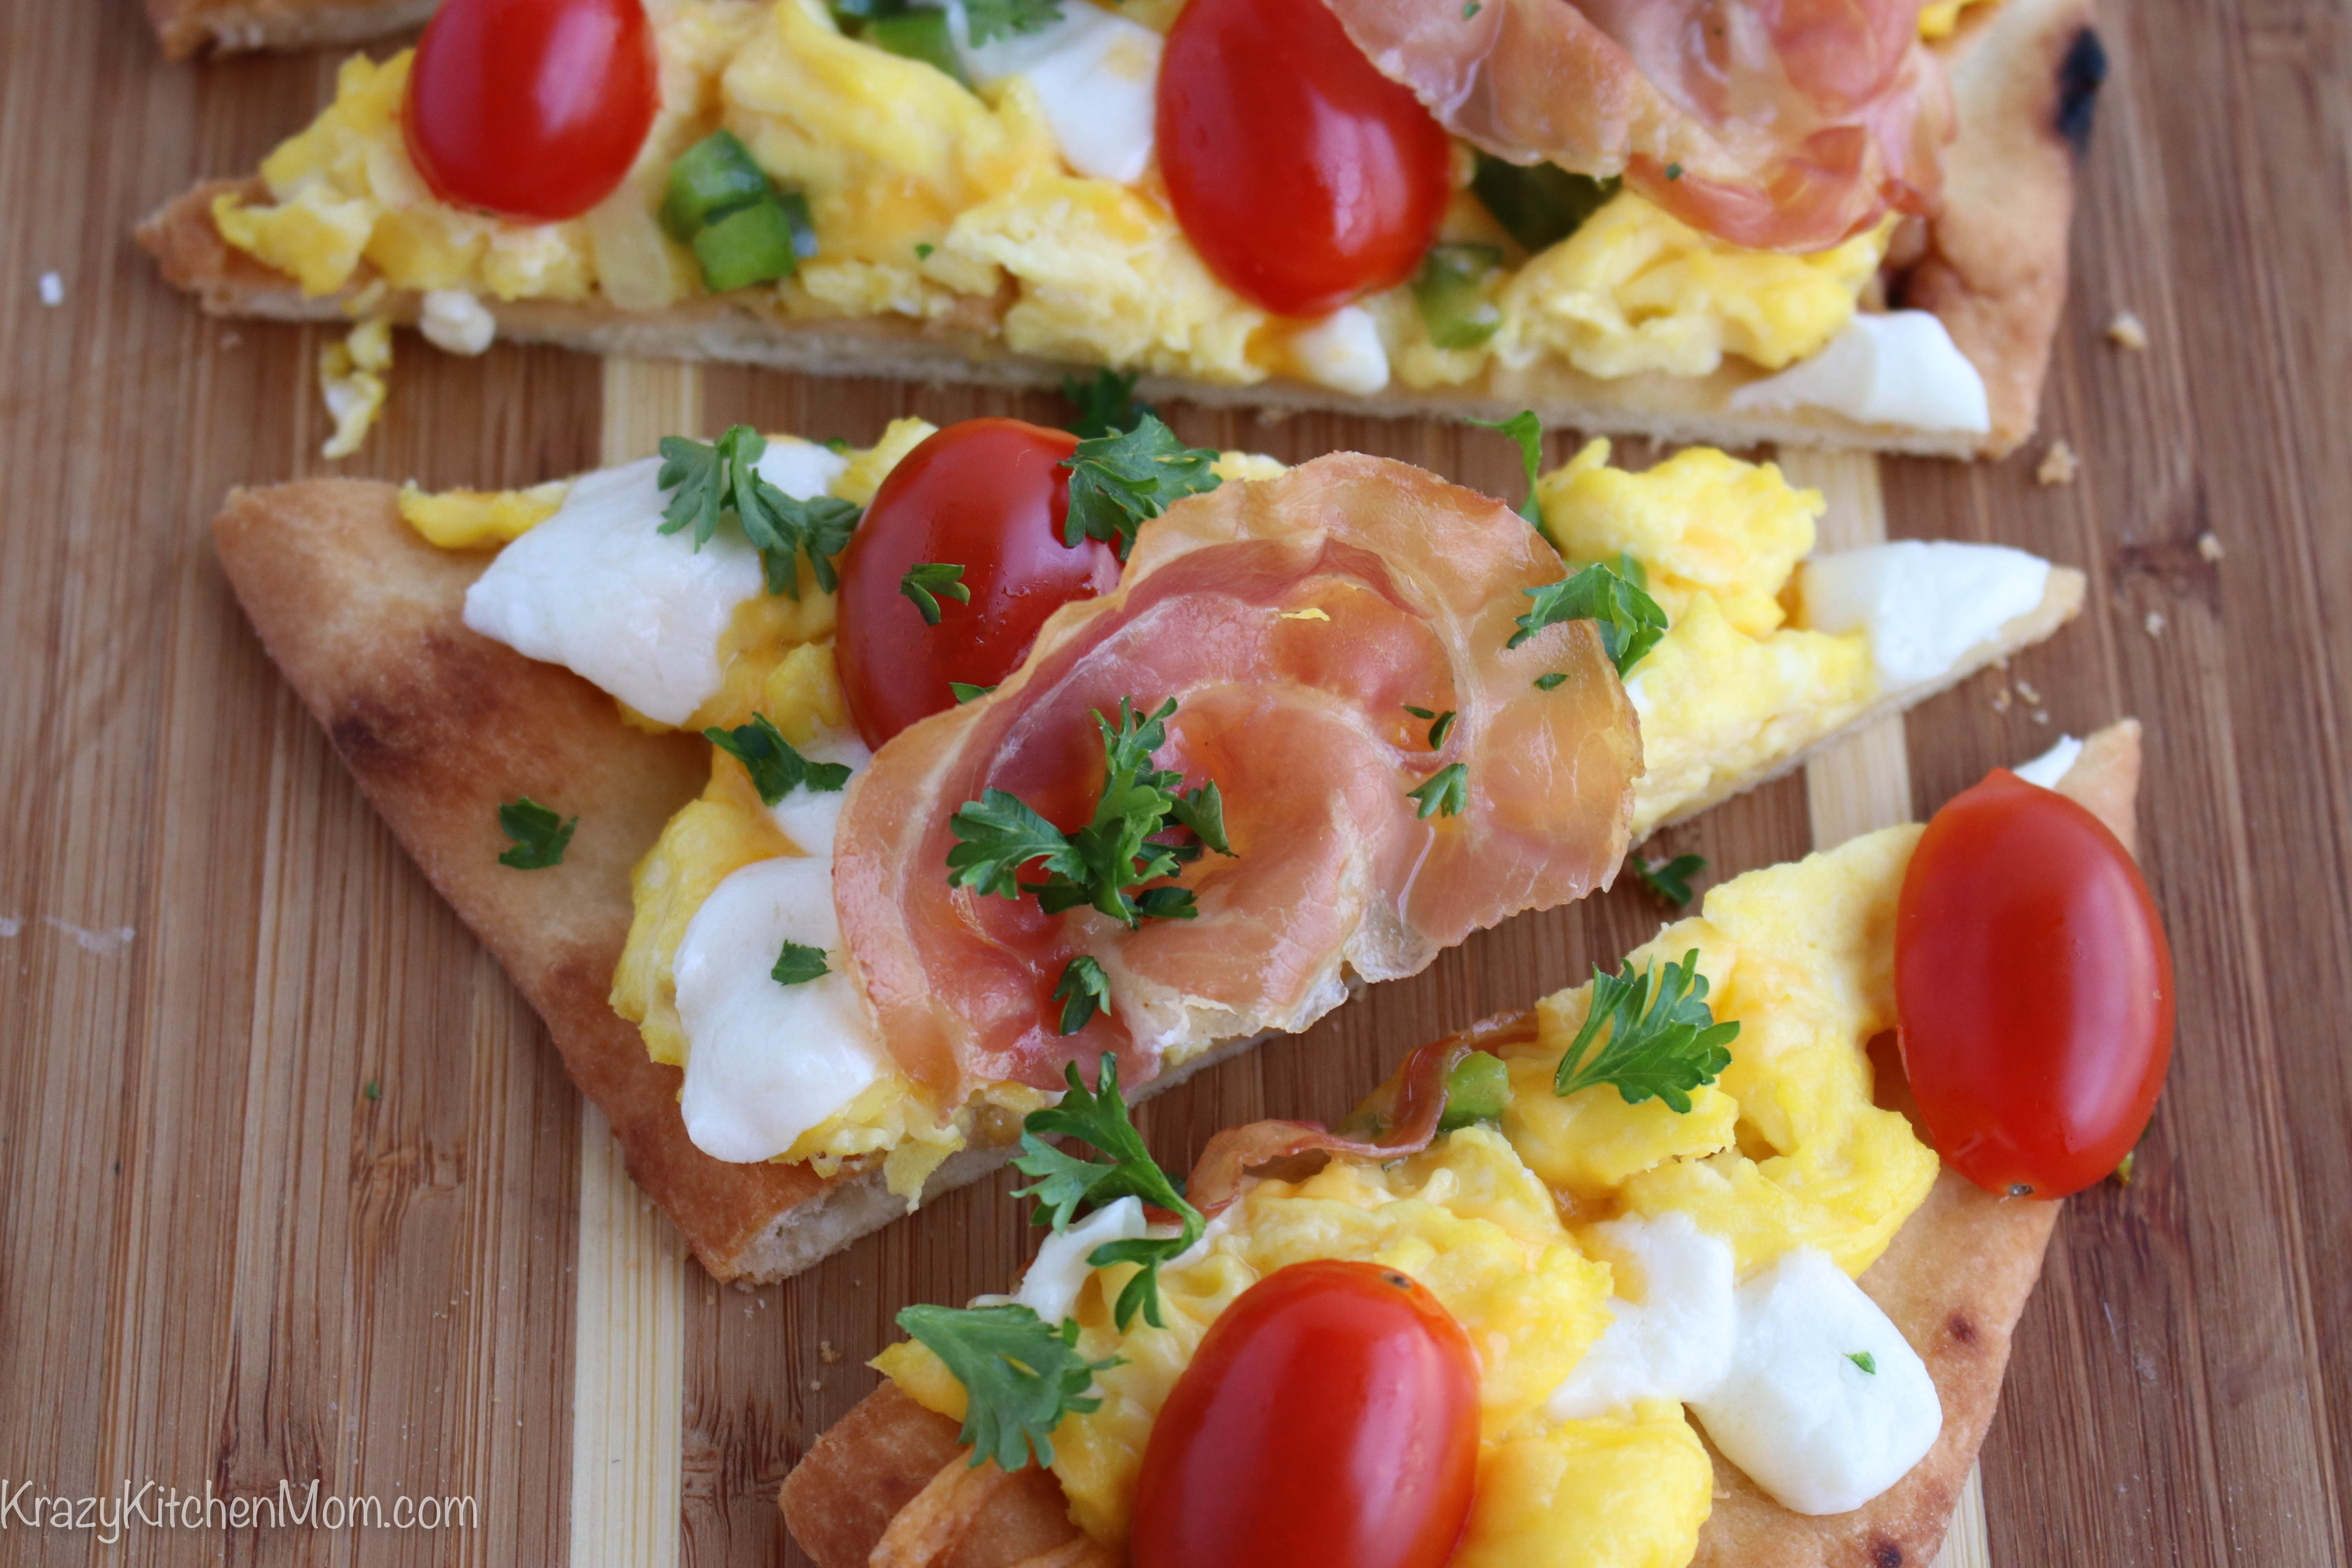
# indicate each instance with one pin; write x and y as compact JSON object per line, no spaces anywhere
{"x":1995,"y":272}
{"x":186,"y":27}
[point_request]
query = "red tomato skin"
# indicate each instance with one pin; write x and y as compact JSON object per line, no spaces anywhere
{"x":990,"y":496}
{"x":2034,"y":988}
{"x":530,"y":108}
{"x":1302,"y":176}
{"x":1329,"y":1420}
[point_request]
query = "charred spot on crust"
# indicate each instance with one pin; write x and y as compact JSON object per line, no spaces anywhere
{"x":1886,"y":1553}
{"x":1963,"y":1328}
{"x":2079,"y":75}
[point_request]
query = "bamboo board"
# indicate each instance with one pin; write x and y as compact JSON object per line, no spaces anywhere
{"x":295,"y":1192}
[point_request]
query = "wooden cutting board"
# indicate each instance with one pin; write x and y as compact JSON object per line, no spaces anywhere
{"x":295,"y":1191}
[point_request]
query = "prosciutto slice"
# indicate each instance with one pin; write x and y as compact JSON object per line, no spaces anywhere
{"x":1405,"y":1112}
{"x":1294,"y":619}
{"x":1775,"y":124}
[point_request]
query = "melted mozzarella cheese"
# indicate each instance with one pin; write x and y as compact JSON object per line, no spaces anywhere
{"x":809,"y":816}
{"x":599,"y":589}
{"x":1676,"y":1343}
{"x":1798,"y":1413}
{"x":768,"y":1061}
{"x":457,"y":322}
{"x":1060,"y":1271}
{"x":1924,"y":605}
{"x":2052,"y":765}
{"x":1096,"y":76}
{"x":1899,"y":368}
{"x":1343,"y":352}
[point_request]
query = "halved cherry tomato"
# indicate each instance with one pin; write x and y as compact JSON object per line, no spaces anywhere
{"x":1329,"y":1420}
{"x":530,"y":108}
{"x":988,"y":495}
{"x":1301,"y":175}
{"x":2034,"y":989}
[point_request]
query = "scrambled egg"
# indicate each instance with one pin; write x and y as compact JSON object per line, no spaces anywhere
{"x":1787,"y":1150}
{"x":1731,"y":687}
{"x":936,"y":204}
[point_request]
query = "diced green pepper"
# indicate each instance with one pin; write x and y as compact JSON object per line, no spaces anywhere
{"x":1450,"y":288}
{"x":750,"y":245}
{"x":920,"y":34}
{"x":1477,"y":1090}
{"x":711,"y":179}
{"x":1541,"y":203}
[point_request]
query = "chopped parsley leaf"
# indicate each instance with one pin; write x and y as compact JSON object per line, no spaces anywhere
{"x":540,"y":835}
{"x":926,"y":581}
{"x":799,"y":963}
{"x":1447,"y":793}
{"x":1662,"y":1049}
{"x":1122,"y":480}
{"x":776,"y":768}
{"x":1019,"y":1376}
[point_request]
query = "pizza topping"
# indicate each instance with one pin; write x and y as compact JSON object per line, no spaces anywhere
{"x":712,"y":482}
{"x":741,"y":230}
{"x":1630,"y":620}
{"x":530,"y":108}
{"x":1298,"y":721}
{"x":1925,"y":604}
{"x":1373,"y":1457}
{"x":1355,"y":198}
{"x":540,"y":835}
{"x":1065,"y":1183}
{"x":1778,"y":127}
{"x":993,"y":497}
{"x":1662,"y":1045}
{"x":1019,"y":1376}
{"x":1899,"y":367}
{"x":1121,"y":479}
{"x":775,"y":767}
{"x":2035,"y":986}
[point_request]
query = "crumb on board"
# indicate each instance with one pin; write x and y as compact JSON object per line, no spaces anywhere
{"x":2155,"y":623}
{"x":816,"y":1385}
{"x":2208,"y":545}
{"x":2059,"y":464}
{"x":2025,"y":689}
{"x":2126,"y":330}
{"x":2039,"y":715}
{"x":53,"y":289}
{"x":2001,"y":700}
{"x":827,"y":1353}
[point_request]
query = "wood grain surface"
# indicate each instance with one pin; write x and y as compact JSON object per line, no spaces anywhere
{"x":294,"y":1190}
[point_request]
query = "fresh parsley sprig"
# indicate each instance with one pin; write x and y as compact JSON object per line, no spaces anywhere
{"x":992,"y":19}
{"x":1661,"y":1047}
{"x":798,"y":965}
{"x":1019,"y":1376}
{"x":1083,"y":990}
{"x":776,"y":768}
{"x":1107,"y":404}
{"x":1121,"y":480}
{"x":719,"y":479}
{"x":1066,"y":1183}
{"x":1631,"y":621}
{"x":1119,"y":850}
{"x":1447,"y":793}
{"x":1670,"y":879}
{"x":540,"y":834}
{"x":1525,"y":429}
{"x":927,"y":582}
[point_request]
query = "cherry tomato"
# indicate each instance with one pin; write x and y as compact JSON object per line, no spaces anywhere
{"x":988,"y":495}
{"x":530,"y":108}
{"x":2034,"y":989}
{"x":1301,"y":175}
{"x":1329,"y":1420}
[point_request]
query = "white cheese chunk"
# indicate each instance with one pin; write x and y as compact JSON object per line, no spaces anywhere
{"x":1898,"y":368}
{"x":766,"y":1061}
{"x":1924,"y":605}
{"x":1676,"y":1342}
{"x":809,"y":816}
{"x":1060,"y":1270}
{"x":457,"y":322}
{"x":1096,"y":76}
{"x":2051,"y":766}
{"x":1343,"y":352}
{"x":1798,"y":1413}
{"x":599,"y":589}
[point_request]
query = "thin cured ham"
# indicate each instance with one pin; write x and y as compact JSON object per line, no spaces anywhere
{"x":1295,"y":620}
{"x":1775,"y":124}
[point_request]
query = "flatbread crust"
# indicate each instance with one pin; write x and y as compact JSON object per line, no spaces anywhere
{"x":1955,"y":1280}
{"x":1995,"y":272}
{"x":440,"y":724}
{"x":187,"y":28}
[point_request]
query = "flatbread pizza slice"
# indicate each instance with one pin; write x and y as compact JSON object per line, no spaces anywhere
{"x":1753,"y":1320}
{"x":817,"y":901}
{"x":831,"y":195}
